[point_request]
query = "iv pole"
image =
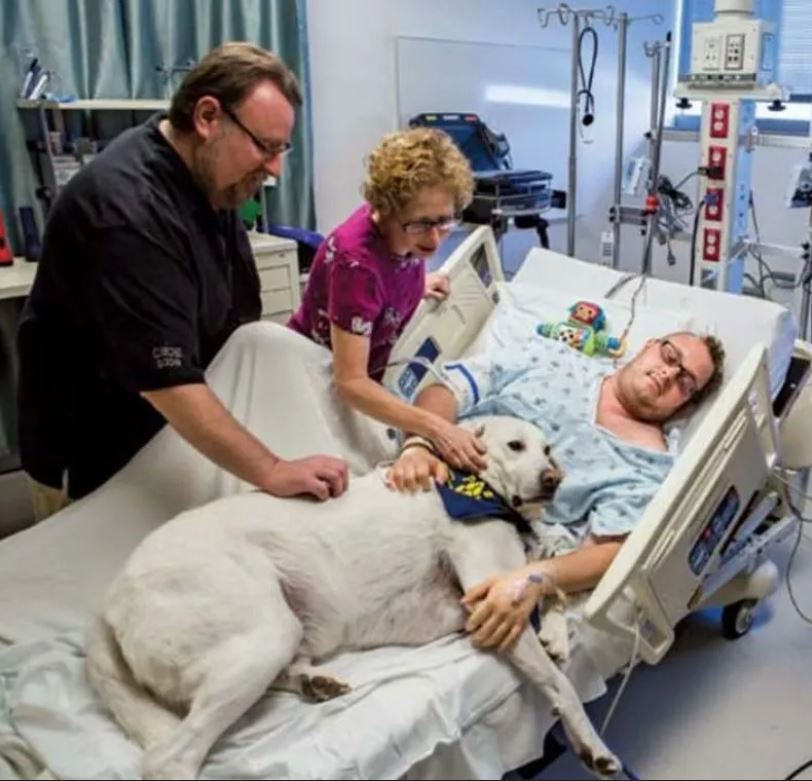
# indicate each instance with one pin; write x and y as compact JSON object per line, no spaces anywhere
{"x":582,"y":18}
{"x":660,"y":53}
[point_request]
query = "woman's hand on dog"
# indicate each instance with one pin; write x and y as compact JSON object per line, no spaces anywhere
{"x":500,"y":607}
{"x":459,"y":447}
{"x":416,"y":469}
{"x":318,"y":476}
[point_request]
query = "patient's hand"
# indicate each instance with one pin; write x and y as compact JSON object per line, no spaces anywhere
{"x":437,"y":286}
{"x":501,"y":605}
{"x":416,"y":469}
{"x":459,"y":447}
{"x":318,"y":476}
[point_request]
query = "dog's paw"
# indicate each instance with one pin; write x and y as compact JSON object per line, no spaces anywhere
{"x":603,"y":763}
{"x":318,"y":687}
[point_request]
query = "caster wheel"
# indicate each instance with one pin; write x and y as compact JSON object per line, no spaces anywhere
{"x":738,"y":618}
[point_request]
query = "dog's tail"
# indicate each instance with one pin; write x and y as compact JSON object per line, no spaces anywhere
{"x":141,"y":716}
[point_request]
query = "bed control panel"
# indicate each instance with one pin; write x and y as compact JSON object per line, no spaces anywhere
{"x":715,"y":530}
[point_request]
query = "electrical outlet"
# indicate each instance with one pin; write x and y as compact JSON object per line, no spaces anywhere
{"x":711,"y":244}
{"x":734,"y":52}
{"x":717,"y":158}
{"x":712,"y":53}
{"x":720,"y":120}
{"x":713,"y":204}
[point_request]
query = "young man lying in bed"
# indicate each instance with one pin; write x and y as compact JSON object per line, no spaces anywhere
{"x":606,"y":431}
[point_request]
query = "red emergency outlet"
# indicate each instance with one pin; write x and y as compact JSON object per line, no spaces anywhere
{"x":717,"y":160}
{"x":719,"y":120}
{"x":713,"y":204}
{"x":711,"y":244}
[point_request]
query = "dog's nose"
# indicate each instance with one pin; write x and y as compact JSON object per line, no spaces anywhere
{"x":550,"y":480}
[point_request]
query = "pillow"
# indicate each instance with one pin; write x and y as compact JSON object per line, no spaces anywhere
{"x":521,"y":308}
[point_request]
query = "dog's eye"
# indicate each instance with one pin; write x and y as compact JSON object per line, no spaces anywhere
{"x":547,"y":450}
{"x":516,"y":445}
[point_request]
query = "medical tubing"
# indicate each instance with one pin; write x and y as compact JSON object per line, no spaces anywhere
{"x":786,"y":488}
{"x":628,"y":674}
{"x":795,"y":773}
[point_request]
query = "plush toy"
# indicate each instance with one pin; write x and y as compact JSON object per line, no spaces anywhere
{"x":584,"y":331}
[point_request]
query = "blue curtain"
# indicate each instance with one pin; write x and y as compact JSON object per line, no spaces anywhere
{"x":114,"y":49}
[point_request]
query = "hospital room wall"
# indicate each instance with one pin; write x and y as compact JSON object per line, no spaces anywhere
{"x":352,"y":69}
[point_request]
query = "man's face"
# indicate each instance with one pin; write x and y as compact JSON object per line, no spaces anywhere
{"x":664,"y":376}
{"x":422,"y":225}
{"x":230,"y":164}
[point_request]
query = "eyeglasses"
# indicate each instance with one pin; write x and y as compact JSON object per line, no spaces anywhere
{"x":268,"y":151}
{"x":444,"y":225}
{"x":672,"y":357}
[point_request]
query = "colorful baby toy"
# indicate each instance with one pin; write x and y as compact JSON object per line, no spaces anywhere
{"x":584,"y":331}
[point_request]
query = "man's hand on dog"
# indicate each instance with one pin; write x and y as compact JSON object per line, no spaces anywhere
{"x":416,"y":469}
{"x":318,"y":476}
{"x":500,"y":607}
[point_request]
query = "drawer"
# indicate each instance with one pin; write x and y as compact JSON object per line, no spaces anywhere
{"x":276,"y":301}
{"x":274,"y":278}
{"x":285,"y":257}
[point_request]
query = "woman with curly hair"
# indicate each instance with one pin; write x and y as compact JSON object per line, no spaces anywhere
{"x":369,"y":275}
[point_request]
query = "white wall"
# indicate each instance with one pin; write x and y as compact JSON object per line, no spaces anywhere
{"x":352,"y":55}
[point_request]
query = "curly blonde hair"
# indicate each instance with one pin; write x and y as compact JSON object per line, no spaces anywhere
{"x":405,"y":162}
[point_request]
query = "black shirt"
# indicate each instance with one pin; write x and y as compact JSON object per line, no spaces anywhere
{"x":139,"y":285}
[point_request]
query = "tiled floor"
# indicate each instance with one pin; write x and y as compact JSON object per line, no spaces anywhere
{"x":721,"y":709}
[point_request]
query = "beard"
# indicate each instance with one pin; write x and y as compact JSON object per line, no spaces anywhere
{"x":230,"y":197}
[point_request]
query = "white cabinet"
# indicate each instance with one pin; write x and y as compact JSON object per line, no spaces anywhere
{"x":278,"y":267}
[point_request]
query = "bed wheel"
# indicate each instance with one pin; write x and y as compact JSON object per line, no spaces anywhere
{"x":738,"y":618}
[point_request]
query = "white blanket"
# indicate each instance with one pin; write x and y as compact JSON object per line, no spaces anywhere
{"x":443,"y":710}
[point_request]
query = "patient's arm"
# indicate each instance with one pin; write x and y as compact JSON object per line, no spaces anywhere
{"x":202,"y":420}
{"x":459,"y":447}
{"x":416,"y":468}
{"x":500,"y":605}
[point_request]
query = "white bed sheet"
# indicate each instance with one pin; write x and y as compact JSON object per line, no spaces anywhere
{"x":440,"y":711}
{"x":739,"y":321}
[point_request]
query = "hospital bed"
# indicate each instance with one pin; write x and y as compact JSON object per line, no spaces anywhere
{"x":443,"y":710}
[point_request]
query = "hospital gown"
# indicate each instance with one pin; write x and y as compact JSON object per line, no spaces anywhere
{"x":607,"y":482}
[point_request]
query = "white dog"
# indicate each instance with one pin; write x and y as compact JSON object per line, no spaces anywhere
{"x":224,"y":600}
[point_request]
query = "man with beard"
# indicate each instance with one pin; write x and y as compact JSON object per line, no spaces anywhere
{"x":146,"y":270}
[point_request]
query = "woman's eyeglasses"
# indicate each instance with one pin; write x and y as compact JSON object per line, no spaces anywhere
{"x":444,"y":225}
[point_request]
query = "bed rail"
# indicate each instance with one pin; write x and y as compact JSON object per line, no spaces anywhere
{"x":441,"y":332}
{"x":665,"y":568}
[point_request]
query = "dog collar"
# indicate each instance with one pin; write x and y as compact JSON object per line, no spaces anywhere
{"x":468,"y":497}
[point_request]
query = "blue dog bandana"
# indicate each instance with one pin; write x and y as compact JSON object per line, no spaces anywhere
{"x":469,"y":498}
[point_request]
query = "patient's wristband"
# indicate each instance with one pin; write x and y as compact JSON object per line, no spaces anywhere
{"x":418,"y":441}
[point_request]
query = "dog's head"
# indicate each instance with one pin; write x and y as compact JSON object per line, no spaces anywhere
{"x":520,"y":467}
